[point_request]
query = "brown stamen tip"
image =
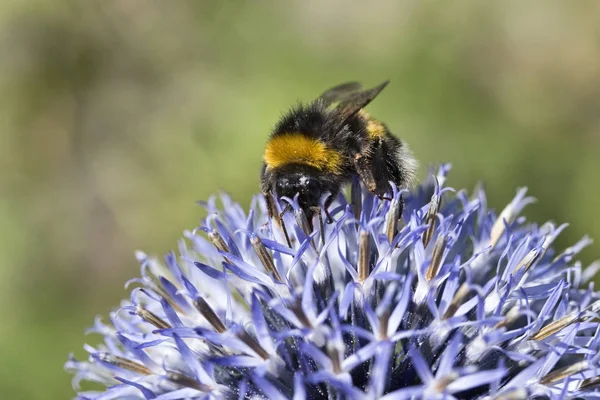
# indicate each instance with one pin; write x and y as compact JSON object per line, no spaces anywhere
{"x":186,"y":381}
{"x":319,"y":214}
{"x":265,"y":257}
{"x":124,"y":363}
{"x":511,"y":316}
{"x":253,"y":344}
{"x":334,"y":356}
{"x":456,"y":302}
{"x":529,"y":259}
{"x":562,"y":373}
{"x":208,"y":313}
{"x":442,"y":383}
{"x":436,"y":258}
{"x":392,"y":218}
{"x":506,"y":217}
{"x":590,"y":383}
{"x":157,"y":286}
{"x":151,"y":318}
{"x":434,"y":207}
{"x":555,"y":326}
{"x":384,"y":318}
{"x":296,"y":308}
{"x":572,"y":318}
{"x":363,"y":256}
{"x":218,"y":241}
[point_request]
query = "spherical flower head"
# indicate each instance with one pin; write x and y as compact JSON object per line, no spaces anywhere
{"x":426,"y":295}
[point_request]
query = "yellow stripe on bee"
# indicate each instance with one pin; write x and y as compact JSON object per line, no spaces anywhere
{"x":296,"y":148}
{"x":375,"y":129}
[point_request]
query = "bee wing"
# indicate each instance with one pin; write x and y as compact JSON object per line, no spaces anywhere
{"x":357,"y":101}
{"x":340,"y":92}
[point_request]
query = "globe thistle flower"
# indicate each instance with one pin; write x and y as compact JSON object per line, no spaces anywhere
{"x":447,"y":300}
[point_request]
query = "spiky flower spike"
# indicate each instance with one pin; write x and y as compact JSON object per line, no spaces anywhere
{"x":452,"y":301}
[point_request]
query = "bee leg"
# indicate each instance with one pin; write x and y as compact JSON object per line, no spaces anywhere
{"x":364,"y":168}
{"x":272,"y":212}
{"x":287,"y":208}
{"x":271,"y":209}
{"x":270,"y":204}
{"x":328,"y":201}
{"x":317,"y":210}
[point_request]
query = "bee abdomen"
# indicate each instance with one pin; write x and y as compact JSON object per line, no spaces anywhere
{"x":373,"y":128}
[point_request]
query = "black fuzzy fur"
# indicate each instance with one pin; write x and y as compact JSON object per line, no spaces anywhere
{"x":377,"y":161}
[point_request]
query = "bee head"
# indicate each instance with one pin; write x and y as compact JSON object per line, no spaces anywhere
{"x":307,"y":186}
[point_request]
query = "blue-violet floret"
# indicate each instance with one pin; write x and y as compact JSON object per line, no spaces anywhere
{"x":429,"y":295}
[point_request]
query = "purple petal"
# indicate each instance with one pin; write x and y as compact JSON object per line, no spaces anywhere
{"x":420,"y":365}
{"x":147,"y":393}
{"x":476,"y":379}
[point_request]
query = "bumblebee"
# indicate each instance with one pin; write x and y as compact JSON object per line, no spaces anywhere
{"x":317,"y":147}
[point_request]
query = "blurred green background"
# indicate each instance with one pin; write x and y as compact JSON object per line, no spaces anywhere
{"x":116,"y":116}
